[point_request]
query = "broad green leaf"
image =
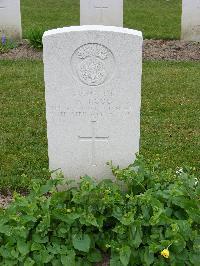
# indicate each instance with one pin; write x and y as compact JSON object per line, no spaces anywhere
{"x":68,"y":259}
{"x":145,"y":212}
{"x":115,"y":261}
{"x":23,"y":247}
{"x":135,"y":235}
{"x":196,"y":244}
{"x":47,"y":187}
{"x":56,"y":262}
{"x":9,"y":262}
{"x":14,"y":253}
{"x":155,"y":219}
{"x":117,"y":213}
{"x":179,"y":244}
{"x":46,"y":257}
{"x":42,"y":257}
{"x":185,"y":229}
{"x":81,"y":242}
{"x":127,"y":219}
{"x":135,"y":258}
{"x":156,"y":247}
{"x":138,"y":239}
{"x":180,"y":259}
{"x":29,"y":262}
{"x":161,"y":262}
{"x":148,"y":257}
{"x":198,"y":188}
{"x":61,"y":231}
{"x":5,"y":252}
{"x":125,"y":253}
{"x":36,"y":246}
{"x":88,"y":219}
{"x":36,"y":237}
{"x":5,"y":229}
{"x":67,"y":218}
{"x":194,"y":259}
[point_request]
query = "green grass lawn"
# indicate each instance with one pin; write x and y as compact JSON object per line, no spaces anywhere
{"x":157,"y":19}
{"x":169,"y":124}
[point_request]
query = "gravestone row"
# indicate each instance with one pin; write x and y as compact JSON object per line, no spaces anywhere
{"x":93,"y":85}
{"x":99,"y":12}
{"x":93,"y":90}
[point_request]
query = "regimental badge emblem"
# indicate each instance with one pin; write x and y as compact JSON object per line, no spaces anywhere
{"x":93,"y":64}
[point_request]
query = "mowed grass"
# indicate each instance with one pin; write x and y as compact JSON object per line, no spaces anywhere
{"x":170,"y":114}
{"x":169,"y":118}
{"x":23,"y":144}
{"x":157,"y":19}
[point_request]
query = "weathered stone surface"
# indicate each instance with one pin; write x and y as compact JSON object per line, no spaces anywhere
{"x":101,"y":12}
{"x":93,"y":90}
{"x":10,"y":19}
{"x":190,"y":20}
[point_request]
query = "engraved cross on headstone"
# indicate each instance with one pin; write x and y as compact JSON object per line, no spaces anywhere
{"x":93,"y":139}
{"x":101,"y":5}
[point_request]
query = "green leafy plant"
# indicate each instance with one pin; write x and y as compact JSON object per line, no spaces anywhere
{"x":147,"y":216}
{"x":6,"y":44}
{"x":35,"y":37}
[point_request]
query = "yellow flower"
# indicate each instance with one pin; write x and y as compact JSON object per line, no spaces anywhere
{"x":165,"y":253}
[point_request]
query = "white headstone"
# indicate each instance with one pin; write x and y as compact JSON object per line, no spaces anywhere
{"x":101,"y":12}
{"x":93,"y":91}
{"x":190,"y":20}
{"x":10,"y":19}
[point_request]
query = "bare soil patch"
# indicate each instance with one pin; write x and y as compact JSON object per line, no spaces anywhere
{"x":171,"y":50}
{"x":152,"y":50}
{"x":22,"y":51}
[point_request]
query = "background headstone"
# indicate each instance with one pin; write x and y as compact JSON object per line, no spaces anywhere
{"x":10,"y":19}
{"x":101,"y":12}
{"x":190,"y":20}
{"x":93,"y":90}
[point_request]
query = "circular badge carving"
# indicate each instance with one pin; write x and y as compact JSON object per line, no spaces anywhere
{"x":93,"y":64}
